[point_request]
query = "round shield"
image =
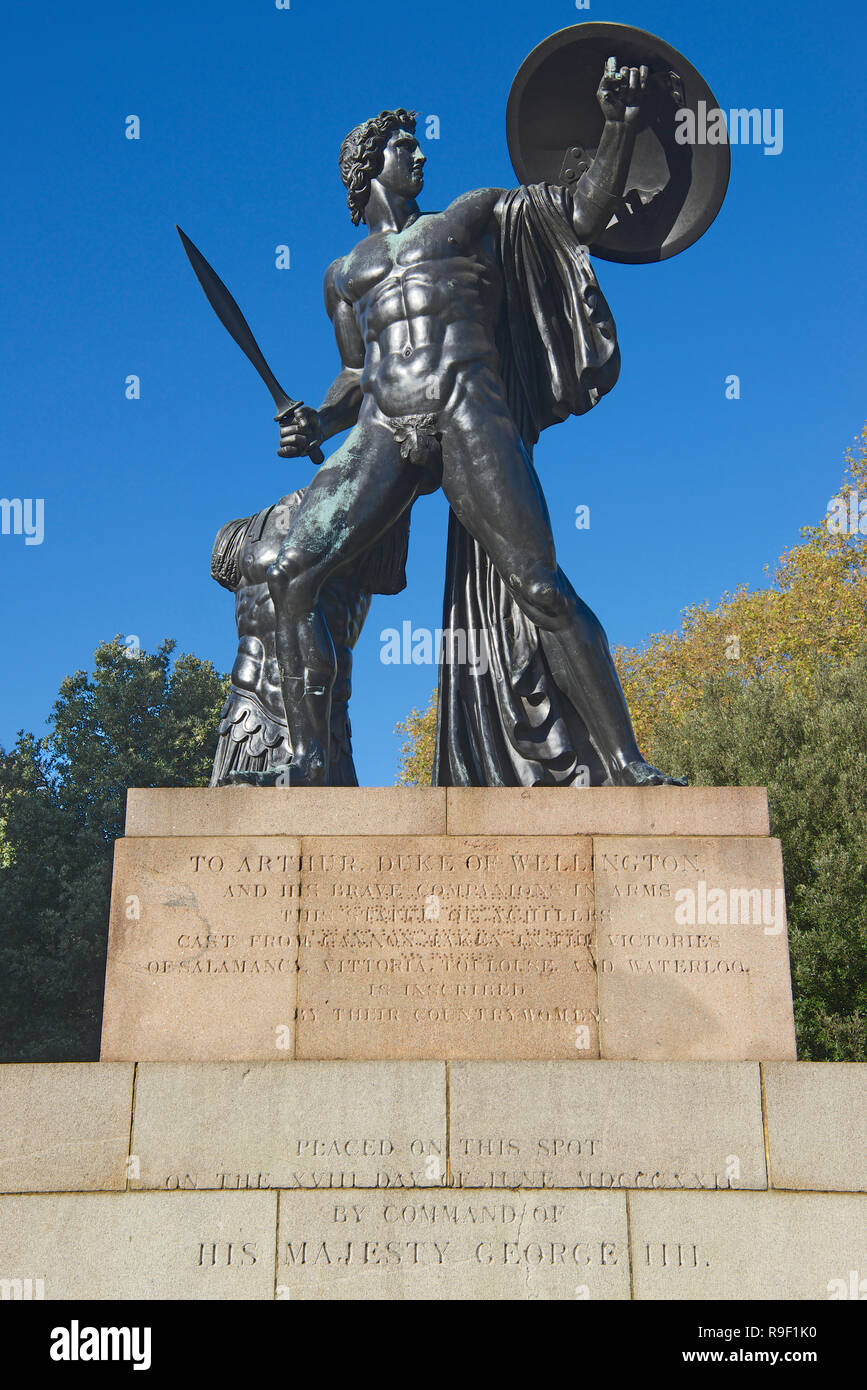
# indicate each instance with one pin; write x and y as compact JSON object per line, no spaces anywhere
{"x":680,"y":165}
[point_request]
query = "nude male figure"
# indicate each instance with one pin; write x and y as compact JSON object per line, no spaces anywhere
{"x":415,"y":307}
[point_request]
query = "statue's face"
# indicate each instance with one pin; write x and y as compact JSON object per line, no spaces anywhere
{"x":403,"y":165}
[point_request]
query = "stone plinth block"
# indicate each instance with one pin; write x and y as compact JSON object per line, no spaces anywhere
{"x":452,"y":810}
{"x":692,"y":949}
{"x":607,"y":810}
{"x":286,"y":811}
{"x":453,"y":1245}
{"x":458,"y":946}
{"x":606,"y":1125}
{"x":202,"y":949}
{"x":64,"y":1126}
{"x":817,"y":1125}
{"x":141,"y":1245}
{"x":747,"y":1245}
{"x":409,"y":923}
{"x":233,"y":1125}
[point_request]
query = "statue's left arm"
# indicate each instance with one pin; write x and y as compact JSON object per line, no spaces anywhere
{"x":598,"y":192}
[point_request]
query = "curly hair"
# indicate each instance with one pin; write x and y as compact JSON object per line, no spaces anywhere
{"x":361,"y":155}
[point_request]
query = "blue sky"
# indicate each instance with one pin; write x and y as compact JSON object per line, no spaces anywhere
{"x":242,"y":109}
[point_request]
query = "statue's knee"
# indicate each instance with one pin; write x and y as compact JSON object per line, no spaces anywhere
{"x":278,"y":576}
{"x":543,"y":599}
{"x":290,"y":583}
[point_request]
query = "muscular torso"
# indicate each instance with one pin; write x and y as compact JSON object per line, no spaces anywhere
{"x":426,"y":301}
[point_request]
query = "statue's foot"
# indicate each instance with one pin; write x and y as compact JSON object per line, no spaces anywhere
{"x":308,"y":769}
{"x":642,"y":774}
{"x":268,"y":778}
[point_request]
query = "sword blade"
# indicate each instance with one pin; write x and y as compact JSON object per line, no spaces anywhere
{"x":230,"y":316}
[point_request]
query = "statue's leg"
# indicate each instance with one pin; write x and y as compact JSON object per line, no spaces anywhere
{"x":352,"y":500}
{"x":344,"y":607}
{"x":491,"y":487}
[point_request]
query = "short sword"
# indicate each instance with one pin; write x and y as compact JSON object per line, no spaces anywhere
{"x":230,"y":316}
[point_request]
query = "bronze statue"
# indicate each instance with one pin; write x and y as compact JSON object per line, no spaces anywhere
{"x":463,"y":334}
{"x":420,"y":308}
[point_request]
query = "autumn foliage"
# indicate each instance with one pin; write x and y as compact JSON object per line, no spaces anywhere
{"x":814,"y":607}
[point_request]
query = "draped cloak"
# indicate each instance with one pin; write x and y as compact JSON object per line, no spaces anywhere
{"x":505,"y":722}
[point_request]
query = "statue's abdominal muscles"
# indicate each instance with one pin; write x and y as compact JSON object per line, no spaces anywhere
{"x":423,"y":324}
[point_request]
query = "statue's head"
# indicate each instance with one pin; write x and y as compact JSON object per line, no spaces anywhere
{"x":383,"y":148}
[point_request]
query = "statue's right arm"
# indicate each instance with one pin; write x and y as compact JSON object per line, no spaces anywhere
{"x":339,"y":410}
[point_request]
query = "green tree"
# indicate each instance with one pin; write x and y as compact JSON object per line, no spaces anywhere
{"x":416,"y":754}
{"x":806,"y":741}
{"x":138,"y":720}
{"x":813,"y":606}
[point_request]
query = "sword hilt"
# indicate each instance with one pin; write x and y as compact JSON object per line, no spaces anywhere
{"x":314,"y":454}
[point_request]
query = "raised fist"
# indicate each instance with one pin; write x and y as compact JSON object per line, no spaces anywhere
{"x":620,"y":92}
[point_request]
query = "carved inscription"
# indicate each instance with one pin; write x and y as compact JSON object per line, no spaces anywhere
{"x":202,"y":948}
{"x":259,"y":1125}
{"x":357,"y":1162}
{"x":693,"y":954}
{"x":267,"y":885}
{"x":565,"y":1163}
{"x":417,"y":1245}
{"x":748,"y":1245}
{"x":448,"y":947}
{"x":141,"y":1246}
{"x":662,"y":877}
{"x":608,"y":1125}
{"x":436,"y":947}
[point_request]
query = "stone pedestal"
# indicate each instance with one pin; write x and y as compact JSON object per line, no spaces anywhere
{"x":430,"y":1180}
{"x":424,"y":1044}
{"x":404,"y":923}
